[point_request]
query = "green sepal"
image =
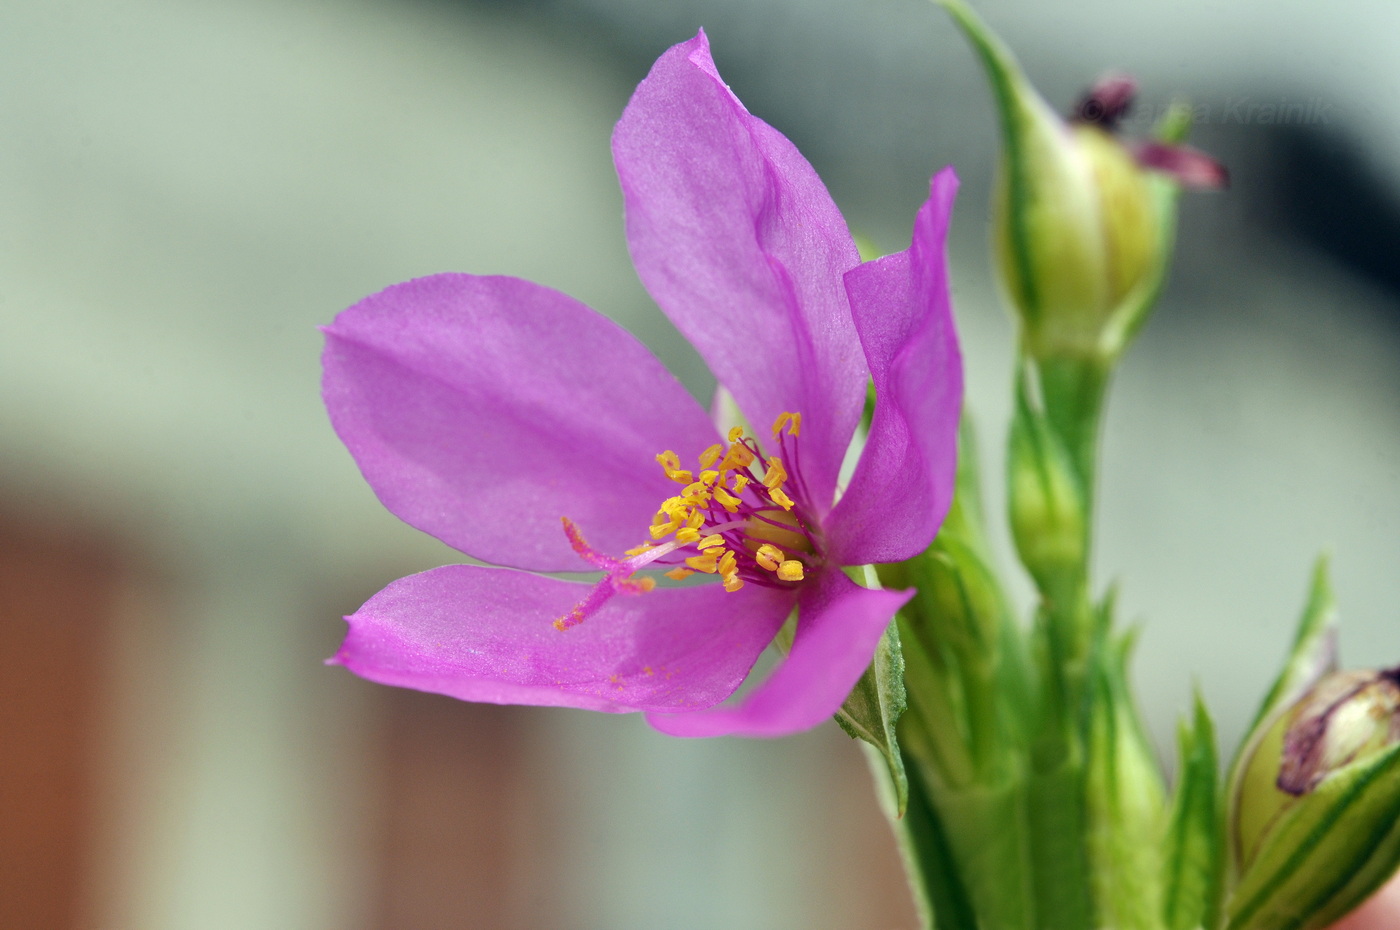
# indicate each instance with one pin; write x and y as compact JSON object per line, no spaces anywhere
{"x":1313,"y":655}
{"x":875,"y":705}
{"x":1125,"y":798}
{"x":1047,"y":235}
{"x":1164,"y":193}
{"x":1314,"y":651}
{"x":1193,"y":862}
{"x":1326,"y":852}
{"x":1059,"y":864}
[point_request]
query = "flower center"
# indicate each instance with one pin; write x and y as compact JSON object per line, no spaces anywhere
{"x":739,"y":515}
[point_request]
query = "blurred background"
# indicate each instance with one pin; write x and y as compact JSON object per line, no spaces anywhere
{"x":188,"y":189}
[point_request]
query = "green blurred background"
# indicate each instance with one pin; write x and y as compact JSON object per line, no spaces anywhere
{"x":188,"y":189}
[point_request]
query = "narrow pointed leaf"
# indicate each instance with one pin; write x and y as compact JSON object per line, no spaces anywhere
{"x":1192,"y":866}
{"x":1314,"y":654}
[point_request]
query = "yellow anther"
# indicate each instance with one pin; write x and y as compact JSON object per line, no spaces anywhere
{"x":776,"y":473}
{"x":695,"y":520}
{"x":667,"y":520}
{"x":708,"y":478}
{"x":781,"y":499}
{"x":791,"y":570}
{"x":793,"y":422}
{"x":726,"y":500}
{"x":709,"y":542}
{"x":733,"y":583}
{"x":685,"y":535}
{"x":638,"y":550}
{"x":729,"y":563}
{"x":640,"y":585}
{"x":679,"y":574}
{"x":768,"y":556}
{"x":708,"y":457}
{"x":697,"y":493}
{"x":738,"y":456}
{"x":671,"y":464}
{"x":735,"y":433}
{"x":707,"y":561}
{"x":738,"y":483}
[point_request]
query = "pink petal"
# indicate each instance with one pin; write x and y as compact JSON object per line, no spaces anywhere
{"x":739,"y":242}
{"x":838,"y":626}
{"x":487,"y":634}
{"x":482,"y":410}
{"x":903,"y":484}
{"x":1192,"y":168}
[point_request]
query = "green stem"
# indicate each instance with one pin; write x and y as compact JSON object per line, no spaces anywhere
{"x":1068,"y":633}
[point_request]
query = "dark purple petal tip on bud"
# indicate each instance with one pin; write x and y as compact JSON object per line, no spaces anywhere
{"x":1190,"y":167}
{"x":1107,"y":102}
{"x":1347,"y":716}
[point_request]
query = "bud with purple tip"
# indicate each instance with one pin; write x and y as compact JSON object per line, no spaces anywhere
{"x":1316,"y":816}
{"x":1083,"y":219}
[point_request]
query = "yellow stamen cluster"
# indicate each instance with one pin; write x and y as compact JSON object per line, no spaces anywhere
{"x":723,"y":477}
{"x":710,"y":514}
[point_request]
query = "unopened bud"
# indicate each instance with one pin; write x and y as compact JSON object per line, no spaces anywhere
{"x":1082,"y":219}
{"x":1315,"y":821}
{"x":1078,"y":231}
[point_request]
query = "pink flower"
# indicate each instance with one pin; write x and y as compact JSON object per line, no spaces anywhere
{"x":526,"y":430}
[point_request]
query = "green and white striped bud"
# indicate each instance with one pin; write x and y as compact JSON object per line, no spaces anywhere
{"x":1315,"y":826}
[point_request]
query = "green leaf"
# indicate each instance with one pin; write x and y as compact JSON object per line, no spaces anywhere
{"x":1326,"y":853}
{"x":1193,"y":863}
{"x":874,"y":707}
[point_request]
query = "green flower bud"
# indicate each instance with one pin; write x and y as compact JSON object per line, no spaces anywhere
{"x":1083,"y":221}
{"x":1077,"y":232}
{"x":1314,"y":826}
